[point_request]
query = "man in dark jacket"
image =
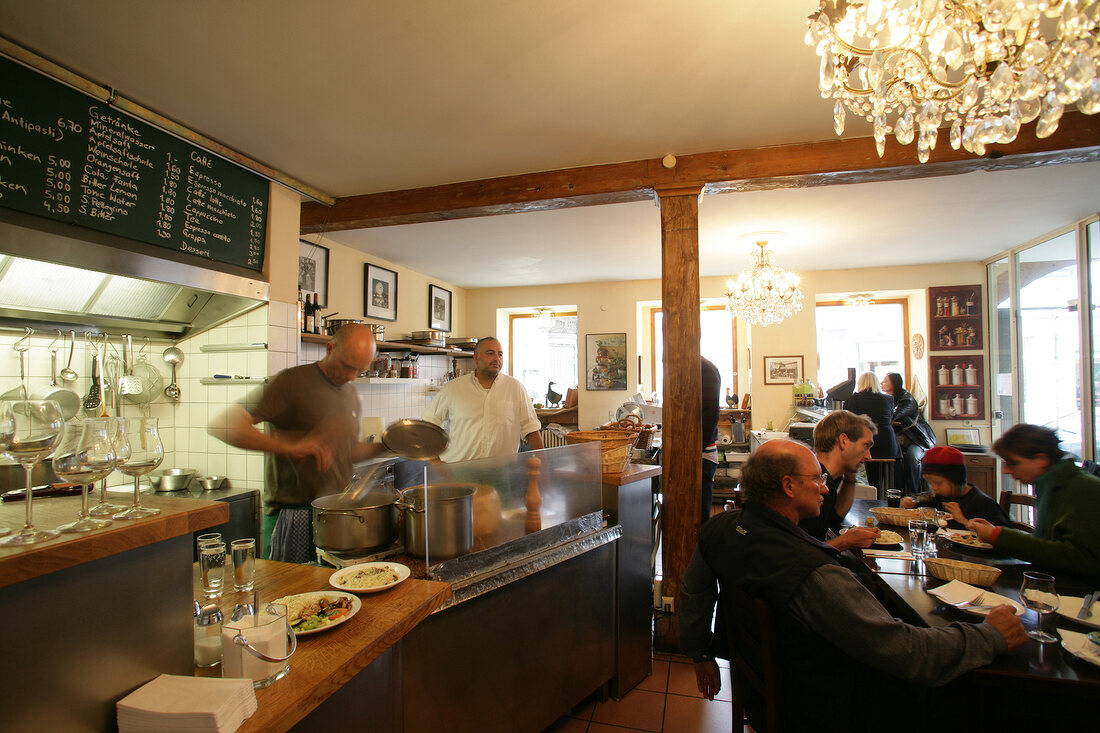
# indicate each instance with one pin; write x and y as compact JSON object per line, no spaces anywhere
{"x":837,"y":644}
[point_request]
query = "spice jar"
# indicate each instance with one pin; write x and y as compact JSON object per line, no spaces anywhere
{"x":208,"y":635}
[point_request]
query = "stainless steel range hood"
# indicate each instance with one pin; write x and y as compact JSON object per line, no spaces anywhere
{"x":54,"y":275}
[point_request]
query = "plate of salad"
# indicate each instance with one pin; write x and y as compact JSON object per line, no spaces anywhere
{"x":310,"y":613}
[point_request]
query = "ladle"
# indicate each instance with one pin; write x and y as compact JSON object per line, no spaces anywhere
{"x":68,"y":373}
{"x":173,"y":356}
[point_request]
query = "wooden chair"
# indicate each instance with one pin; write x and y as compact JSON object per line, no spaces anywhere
{"x":1008,"y":499}
{"x":883,"y":470}
{"x":754,"y":662}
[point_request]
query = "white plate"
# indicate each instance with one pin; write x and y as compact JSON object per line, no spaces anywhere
{"x":994,"y":599}
{"x":356,"y":604}
{"x":1079,"y":646}
{"x":954,"y":537}
{"x":1069,"y":606}
{"x":878,"y":541}
{"x":337,"y":578}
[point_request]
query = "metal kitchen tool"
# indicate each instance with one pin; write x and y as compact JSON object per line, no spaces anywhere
{"x":20,"y":346}
{"x":68,"y":374}
{"x":67,"y":400}
{"x":128,"y":384}
{"x":173,"y":356}
{"x":95,"y":396}
{"x":53,"y":359}
{"x":417,"y":440}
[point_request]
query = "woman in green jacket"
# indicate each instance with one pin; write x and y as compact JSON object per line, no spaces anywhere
{"x":1067,"y":510}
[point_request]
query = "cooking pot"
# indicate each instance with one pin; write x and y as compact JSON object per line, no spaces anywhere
{"x":332,"y":325}
{"x":449,"y":519}
{"x":370,"y":523}
{"x":67,"y":400}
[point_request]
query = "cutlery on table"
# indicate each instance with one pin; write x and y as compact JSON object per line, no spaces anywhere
{"x":1086,"y":604}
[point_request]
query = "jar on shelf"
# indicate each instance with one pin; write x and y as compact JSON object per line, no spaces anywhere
{"x":943,"y":375}
{"x":957,"y":375}
{"x":972,"y":405}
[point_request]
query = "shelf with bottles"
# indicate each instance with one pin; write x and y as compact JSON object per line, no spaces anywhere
{"x":955,"y":318}
{"x":959,"y":387}
{"x":320,"y":338}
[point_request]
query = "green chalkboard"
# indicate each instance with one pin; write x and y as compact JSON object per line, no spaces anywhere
{"x":69,"y":157}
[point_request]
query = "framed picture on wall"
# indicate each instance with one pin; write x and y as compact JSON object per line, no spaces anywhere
{"x":782,"y":369}
{"x":379,"y":293}
{"x":605,"y":361}
{"x":313,"y":271}
{"x":439,"y":308}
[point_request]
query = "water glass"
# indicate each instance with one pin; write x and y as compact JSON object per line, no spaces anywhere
{"x":244,"y":564}
{"x":203,"y":539}
{"x":1037,"y":593}
{"x":212,"y":568}
{"x":918,"y":537}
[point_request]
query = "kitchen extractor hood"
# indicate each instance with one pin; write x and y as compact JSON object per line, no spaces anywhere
{"x":56,"y":275}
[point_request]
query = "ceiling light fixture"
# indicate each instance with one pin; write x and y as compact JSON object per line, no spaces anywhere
{"x":985,"y":67}
{"x":544,"y":319}
{"x":860,"y":300}
{"x":764,"y":294}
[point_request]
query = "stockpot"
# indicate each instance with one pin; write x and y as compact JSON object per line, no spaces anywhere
{"x":370,"y":523}
{"x":449,"y":519}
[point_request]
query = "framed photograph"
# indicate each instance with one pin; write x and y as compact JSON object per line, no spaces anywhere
{"x":962,"y":436}
{"x":782,"y":369}
{"x":605,"y":362}
{"x":313,"y":271}
{"x":379,"y":292}
{"x":439,"y":308}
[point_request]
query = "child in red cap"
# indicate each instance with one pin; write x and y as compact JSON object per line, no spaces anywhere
{"x":944,"y":468}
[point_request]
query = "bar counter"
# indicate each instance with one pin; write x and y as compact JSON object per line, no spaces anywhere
{"x":324,"y":662}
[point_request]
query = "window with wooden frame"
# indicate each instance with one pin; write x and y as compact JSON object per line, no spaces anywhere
{"x":870,"y":338}
{"x":543,"y":350}
{"x":718,"y":343}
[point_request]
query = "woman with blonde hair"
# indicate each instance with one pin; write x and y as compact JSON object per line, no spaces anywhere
{"x":869,"y":400}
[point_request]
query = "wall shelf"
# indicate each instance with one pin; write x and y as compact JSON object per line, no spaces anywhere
{"x":235,"y":380}
{"x":217,"y":348}
{"x":391,"y":380}
{"x":314,"y":338}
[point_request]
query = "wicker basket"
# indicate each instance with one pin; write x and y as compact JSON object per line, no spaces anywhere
{"x":892,"y":515}
{"x":967,"y":572}
{"x":615,"y":446}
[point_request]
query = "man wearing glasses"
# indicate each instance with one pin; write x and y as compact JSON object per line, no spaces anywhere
{"x":837,"y":644}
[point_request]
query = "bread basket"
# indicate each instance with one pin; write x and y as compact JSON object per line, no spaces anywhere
{"x":615,"y":446}
{"x":895,"y":516}
{"x":966,"y":572}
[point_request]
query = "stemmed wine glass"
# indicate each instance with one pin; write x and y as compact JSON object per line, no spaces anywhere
{"x":85,"y":455}
{"x":37,"y":430}
{"x":116,"y":427}
{"x":146,"y":453}
{"x":7,"y":430}
{"x":1037,"y":593}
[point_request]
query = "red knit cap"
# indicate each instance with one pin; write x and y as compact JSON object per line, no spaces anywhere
{"x":945,"y":461}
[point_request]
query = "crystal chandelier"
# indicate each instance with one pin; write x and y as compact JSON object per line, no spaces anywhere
{"x":860,"y":300}
{"x":985,"y":67}
{"x":544,"y":319}
{"x":764,"y":294}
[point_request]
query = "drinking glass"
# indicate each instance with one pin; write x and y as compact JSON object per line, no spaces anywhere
{"x":244,"y":564}
{"x":85,"y":455}
{"x":7,"y":430}
{"x":37,"y":431}
{"x":212,"y":568}
{"x":1037,"y":593}
{"x":116,"y":427}
{"x":146,"y":453}
{"x":918,"y":537}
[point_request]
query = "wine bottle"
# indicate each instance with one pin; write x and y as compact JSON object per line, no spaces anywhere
{"x":316,"y":315}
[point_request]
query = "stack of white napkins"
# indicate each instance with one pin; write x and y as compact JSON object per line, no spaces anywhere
{"x":895,"y":554}
{"x":177,"y":703}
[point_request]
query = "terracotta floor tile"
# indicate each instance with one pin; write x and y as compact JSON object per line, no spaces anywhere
{"x":602,"y":728}
{"x":657,"y":681}
{"x":681,"y":681}
{"x":640,"y":709}
{"x":565,"y":724}
{"x":583,"y":710}
{"x":696,"y":715}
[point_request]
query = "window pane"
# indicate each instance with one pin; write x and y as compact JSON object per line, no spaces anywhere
{"x":1092,"y":234}
{"x":870,"y":338}
{"x":1050,"y":344}
{"x":716,"y":336}
{"x":541,"y":355}
{"x":1000,"y":338}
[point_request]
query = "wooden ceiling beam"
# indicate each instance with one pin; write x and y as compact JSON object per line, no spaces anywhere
{"x":849,"y":160}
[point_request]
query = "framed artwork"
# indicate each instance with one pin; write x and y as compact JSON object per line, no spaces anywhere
{"x":379,"y":293}
{"x":955,"y":318}
{"x":958,"y":387}
{"x":782,"y":369}
{"x":313,"y":271}
{"x":605,"y":361}
{"x":962,"y":436}
{"x":439,"y":308}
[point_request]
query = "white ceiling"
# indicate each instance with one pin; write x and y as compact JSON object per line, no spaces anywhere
{"x":357,"y":96}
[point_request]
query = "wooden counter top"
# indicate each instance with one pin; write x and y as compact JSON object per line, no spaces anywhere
{"x":634,"y":472}
{"x":178,"y":516}
{"x":326,"y":661}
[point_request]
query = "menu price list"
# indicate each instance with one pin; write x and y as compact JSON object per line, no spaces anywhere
{"x":65,"y":156}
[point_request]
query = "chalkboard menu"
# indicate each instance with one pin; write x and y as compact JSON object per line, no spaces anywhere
{"x":66,"y":156}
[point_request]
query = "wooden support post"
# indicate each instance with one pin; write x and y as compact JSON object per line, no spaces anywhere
{"x":682,"y":441}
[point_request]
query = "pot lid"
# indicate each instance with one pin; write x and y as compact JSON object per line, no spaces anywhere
{"x":417,"y":440}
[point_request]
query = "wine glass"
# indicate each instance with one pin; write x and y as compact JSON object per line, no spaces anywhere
{"x":1037,"y":593}
{"x":7,"y":430}
{"x":85,"y":455}
{"x":116,"y":427}
{"x":146,"y":453}
{"x":37,"y":430}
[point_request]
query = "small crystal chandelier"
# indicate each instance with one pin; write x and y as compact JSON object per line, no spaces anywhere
{"x":764,"y":294}
{"x":859,"y":300}
{"x":544,"y":319}
{"x":985,"y":67}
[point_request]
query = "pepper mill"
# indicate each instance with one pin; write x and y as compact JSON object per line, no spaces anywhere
{"x":533,"y":499}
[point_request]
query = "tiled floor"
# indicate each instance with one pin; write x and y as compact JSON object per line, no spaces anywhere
{"x":665,"y":702}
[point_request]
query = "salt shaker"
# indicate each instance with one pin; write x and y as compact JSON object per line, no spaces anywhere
{"x":208,"y":635}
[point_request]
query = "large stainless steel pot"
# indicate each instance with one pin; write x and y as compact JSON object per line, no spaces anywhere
{"x":370,"y":523}
{"x":449,"y":519}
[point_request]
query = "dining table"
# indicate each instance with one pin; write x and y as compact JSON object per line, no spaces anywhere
{"x":1033,"y":682}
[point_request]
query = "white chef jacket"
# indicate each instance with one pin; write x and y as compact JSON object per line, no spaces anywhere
{"x":482,"y":422}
